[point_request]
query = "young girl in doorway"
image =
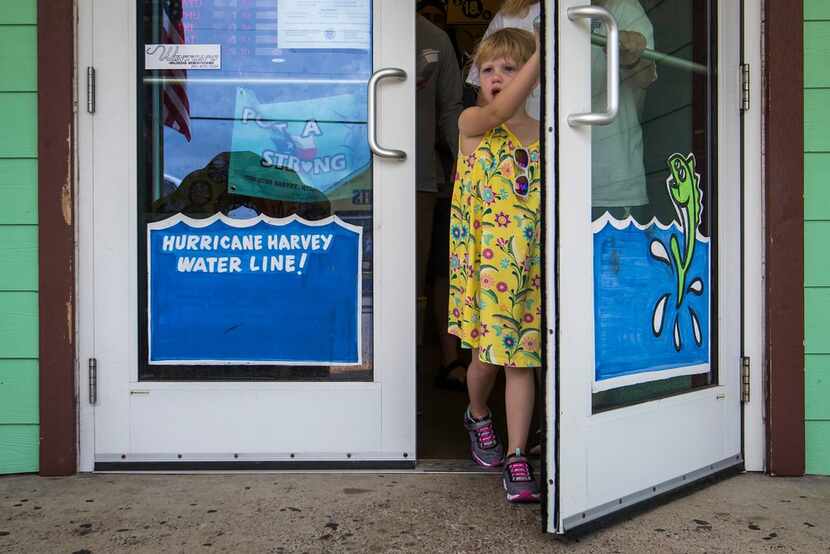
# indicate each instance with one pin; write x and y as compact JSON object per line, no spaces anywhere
{"x":495,"y":258}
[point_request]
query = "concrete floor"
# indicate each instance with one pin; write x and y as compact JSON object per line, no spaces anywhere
{"x":283,"y":512}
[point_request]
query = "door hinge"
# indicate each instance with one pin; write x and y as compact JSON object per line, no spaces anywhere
{"x":745,"y":365}
{"x":745,"y":90}
{"x":93,"y":381}
{"x":90,"y":89}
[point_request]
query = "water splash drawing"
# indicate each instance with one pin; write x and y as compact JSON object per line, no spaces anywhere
{"x":683,"y":185}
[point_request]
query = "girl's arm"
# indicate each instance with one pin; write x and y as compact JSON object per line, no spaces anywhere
{"x":477,"y":120}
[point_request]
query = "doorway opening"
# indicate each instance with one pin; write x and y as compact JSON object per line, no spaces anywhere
{"x":446,"y":38}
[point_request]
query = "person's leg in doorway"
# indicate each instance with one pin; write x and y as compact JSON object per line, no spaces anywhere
{"x":519,"y":396}
{"x":424,"y":212}
{"x":517,"y":476}
{"x":481,"y":377}
{"x":485,"y":447}
{"x":452,"y":372}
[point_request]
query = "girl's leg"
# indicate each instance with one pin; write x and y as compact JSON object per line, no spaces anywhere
{"x":449,"y":343}
{"x":519,"y":395}
{"x":481,"y":377}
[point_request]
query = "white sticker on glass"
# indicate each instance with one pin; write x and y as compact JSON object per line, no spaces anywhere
{"x":182,"y":56}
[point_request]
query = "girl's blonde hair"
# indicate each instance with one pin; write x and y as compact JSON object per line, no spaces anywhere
{"x":515,"y":44}
{"x":517,"y":7}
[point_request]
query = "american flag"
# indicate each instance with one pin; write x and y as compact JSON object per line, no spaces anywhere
{"x":176,"y":106}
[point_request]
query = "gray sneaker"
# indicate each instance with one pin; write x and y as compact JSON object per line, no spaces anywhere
{"x":518,"y":481}
{"x":485,"y":447}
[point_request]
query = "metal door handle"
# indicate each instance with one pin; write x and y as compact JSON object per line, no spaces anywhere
{"x":377,"y":77}
{"x":612,"y":70}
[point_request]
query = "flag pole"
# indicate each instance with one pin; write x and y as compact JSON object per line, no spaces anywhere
{"x":157,"y":113}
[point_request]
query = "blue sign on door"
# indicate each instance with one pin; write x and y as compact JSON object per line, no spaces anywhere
{"x":257,"y":291}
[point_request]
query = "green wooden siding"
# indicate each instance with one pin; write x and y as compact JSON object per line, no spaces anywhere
{"x":817,"y":235}
{"x":19,"y":429}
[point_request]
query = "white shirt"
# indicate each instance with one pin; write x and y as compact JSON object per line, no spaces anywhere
{"x":501,"y":21}
{"x":618,"y":173}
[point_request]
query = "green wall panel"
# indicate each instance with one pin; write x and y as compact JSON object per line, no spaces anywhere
{"x":19,"y":392}
{"x":818,"y":447}
{"x":816,"y":120}
{"x":18,"y":257}
{"x":18,"y":58}
{"x":817,"y":186}
{"x":816,"y":9}
{"x":19,"y":384}
{"x":817,"y":235}
{"x":817,"y":54}
{"x":18,"y":448}
{"x":816,"y":320}
{"x":18,"y":325}
{"x":18,"y":192}
{"x":817,"y":254}
{"x":817,"y":385}
{"x":19,"y":136}
{"x":17,"y":12}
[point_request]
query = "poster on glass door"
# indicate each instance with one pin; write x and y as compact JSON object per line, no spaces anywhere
{"x":652,"y":289}
{"x":311,"y":144}
{"x":255,"y":291}
{"x":314,"y":24}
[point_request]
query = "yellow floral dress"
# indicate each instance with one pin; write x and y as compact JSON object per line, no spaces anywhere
{"x":495,"y":256}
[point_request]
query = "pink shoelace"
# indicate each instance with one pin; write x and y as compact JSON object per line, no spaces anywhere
{"x":486,"y":436}
{"x":519,"y":471}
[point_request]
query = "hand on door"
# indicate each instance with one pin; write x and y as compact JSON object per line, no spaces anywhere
{"x":640,"y":72}
{"x":632,"y":45}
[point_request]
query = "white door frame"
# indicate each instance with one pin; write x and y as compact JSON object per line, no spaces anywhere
{"x":754,"y":231}
{"x":394,"y":323}
{"x":85,"y":240}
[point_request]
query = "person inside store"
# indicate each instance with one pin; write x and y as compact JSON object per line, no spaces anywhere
{"x":438,"y":95}
{"x":617,"y":168}
{"x":495,"y":303}
{"x":526,"y":15}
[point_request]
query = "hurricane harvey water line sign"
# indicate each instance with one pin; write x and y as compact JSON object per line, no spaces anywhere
{"x":254,"y":291}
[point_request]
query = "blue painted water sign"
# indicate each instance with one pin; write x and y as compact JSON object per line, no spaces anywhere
{"x":255,"y":291}
{"x":642,"y":327}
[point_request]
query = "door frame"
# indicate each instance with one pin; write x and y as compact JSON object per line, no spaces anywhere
{"x":754,"y":328}
{"x":783,"y":165}
{"x":56,"y":209}
{"x":86,"y":242}
{"x":64,"y":410}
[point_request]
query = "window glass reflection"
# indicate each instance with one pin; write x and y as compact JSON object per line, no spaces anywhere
{"x":278,"y":130}
{"x":653,"y":192}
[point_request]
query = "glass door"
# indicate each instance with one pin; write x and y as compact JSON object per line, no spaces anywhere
{"x":645,"y":394}
{"x":253,"y":229}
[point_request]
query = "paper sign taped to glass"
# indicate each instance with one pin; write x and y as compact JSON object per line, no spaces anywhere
{"x":324,"y":24}
{"x":319,"y":144}
{"x":651,"y":290}
{"x":258,"y":291}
